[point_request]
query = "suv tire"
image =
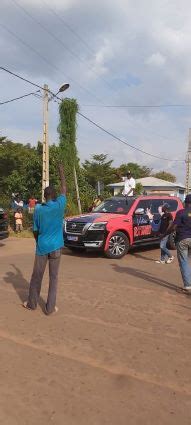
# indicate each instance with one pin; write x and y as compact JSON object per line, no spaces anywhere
{"x":118,"y":245}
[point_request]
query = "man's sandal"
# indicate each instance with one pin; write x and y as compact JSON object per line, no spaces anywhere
{"x":25,"y":305}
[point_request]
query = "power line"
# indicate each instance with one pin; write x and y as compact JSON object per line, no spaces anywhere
{"x":38,"y":95}
{"x":74,"y":32}
{"x":69,"y":27}
{"x":141,"y":106}
{"x":18,"y":98}
{"x":104,"y":106}
{"x":126,"y":143}
{"x":22,"y":78}
{"x":97,"y":125}
{"x":75,"y":56}
{"x":45,"y":60}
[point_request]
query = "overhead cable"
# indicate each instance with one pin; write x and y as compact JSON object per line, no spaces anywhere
{"x":20,"y":97}
{"x":119,"y":139}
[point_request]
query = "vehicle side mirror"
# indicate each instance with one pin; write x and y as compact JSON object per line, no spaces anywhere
{"x":139,"y":211}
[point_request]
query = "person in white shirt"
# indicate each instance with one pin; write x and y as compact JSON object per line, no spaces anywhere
{"x":129,"y":185}
{"x":18,"y":203}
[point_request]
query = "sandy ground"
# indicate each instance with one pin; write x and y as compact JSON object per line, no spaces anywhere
{"x":117,"y":352}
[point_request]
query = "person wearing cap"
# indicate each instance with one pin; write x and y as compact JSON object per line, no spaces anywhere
{"x":129,"y":185}
{"x":165,"y":225}
{"x":182,"y":226}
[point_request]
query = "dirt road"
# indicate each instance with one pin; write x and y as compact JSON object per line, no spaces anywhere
{"x":117,"y":352}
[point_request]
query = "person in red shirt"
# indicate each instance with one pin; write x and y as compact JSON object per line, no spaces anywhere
{"x":31,"y":204}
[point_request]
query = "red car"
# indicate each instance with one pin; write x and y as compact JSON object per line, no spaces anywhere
{"x":120,"y":223}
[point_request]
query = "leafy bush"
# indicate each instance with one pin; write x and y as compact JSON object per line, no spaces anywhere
{"x":5,"y":202}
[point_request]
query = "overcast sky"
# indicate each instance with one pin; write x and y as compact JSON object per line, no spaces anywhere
{"x":112,"y":52}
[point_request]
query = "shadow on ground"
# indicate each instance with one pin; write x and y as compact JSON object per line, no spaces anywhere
{"x":135,"y":251}
{"x":148,"y":277}
{"x":82,"y":253}
{"x":20,"y":285}
{"x":138,"y":252}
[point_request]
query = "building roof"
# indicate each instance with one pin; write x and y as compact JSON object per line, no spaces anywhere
{"x":155,"y":182}
{"x":148,"y":182}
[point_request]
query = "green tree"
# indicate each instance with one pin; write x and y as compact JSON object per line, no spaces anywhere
{"x":164,"y":175}
{"x":137,"y":170}
{"x":67,"y":134}
{"x":67,"y":147}
{"x":138,"y":189}
{"x":87,"y":192}
{"x":99,"y":169}
{"x":20,"y":168}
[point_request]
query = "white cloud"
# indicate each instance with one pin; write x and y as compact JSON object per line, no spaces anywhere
{"x":156,"y":59}
{"x":119,"y":42}
{"x":98,"y":66}
{"x":62,"y":4}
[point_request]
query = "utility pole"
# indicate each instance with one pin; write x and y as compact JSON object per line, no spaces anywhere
{"x":45,"y":161}
{"x":188,"y":164}
{"x":77,"y":191}
{"x":98,"y":188}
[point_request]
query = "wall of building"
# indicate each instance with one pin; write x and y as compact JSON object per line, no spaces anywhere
{"x":117,"y":190}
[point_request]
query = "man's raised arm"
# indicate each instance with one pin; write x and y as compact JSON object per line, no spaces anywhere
{"x":62,"y":179}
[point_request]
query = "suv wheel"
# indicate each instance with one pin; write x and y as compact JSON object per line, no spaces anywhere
{"x":118,"y":245}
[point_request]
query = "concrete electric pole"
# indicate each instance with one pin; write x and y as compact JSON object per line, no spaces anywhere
{"x":45,"y":160}
{"x":188,"y":164}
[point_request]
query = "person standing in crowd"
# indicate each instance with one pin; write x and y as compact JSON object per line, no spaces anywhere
{"x":182,"y":226}
{"x":18,"y":220}
{"x":18,"y":203}
{"x":31,"y":204}
{"x":129,"y":185}
{"x":48,"y":232}
{"x":165,"y":225}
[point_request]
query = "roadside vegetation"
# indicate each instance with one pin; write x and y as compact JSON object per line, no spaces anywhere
{"x":21,"y":168}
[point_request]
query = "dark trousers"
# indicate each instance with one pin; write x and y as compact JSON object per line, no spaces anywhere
{"x":184,"y":259}
{"x":36,"y":280}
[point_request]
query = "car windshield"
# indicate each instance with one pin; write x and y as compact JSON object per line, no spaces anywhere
{"x":115,"y":206}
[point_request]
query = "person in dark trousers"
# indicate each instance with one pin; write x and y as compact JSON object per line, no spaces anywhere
{"x":182,"y":226}
{"x":48,"y":233}
{"x":166,"y":223}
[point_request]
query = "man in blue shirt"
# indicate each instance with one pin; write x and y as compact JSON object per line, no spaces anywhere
{"x":182,"y":226}
{"x":48,"y":233}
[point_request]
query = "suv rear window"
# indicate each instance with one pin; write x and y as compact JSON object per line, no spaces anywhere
{"x":116,"y":206}
{"x":155,"y":205}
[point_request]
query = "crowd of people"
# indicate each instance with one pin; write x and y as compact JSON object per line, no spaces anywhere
{"x":18,"y":205}
{"x":48,"y":233}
